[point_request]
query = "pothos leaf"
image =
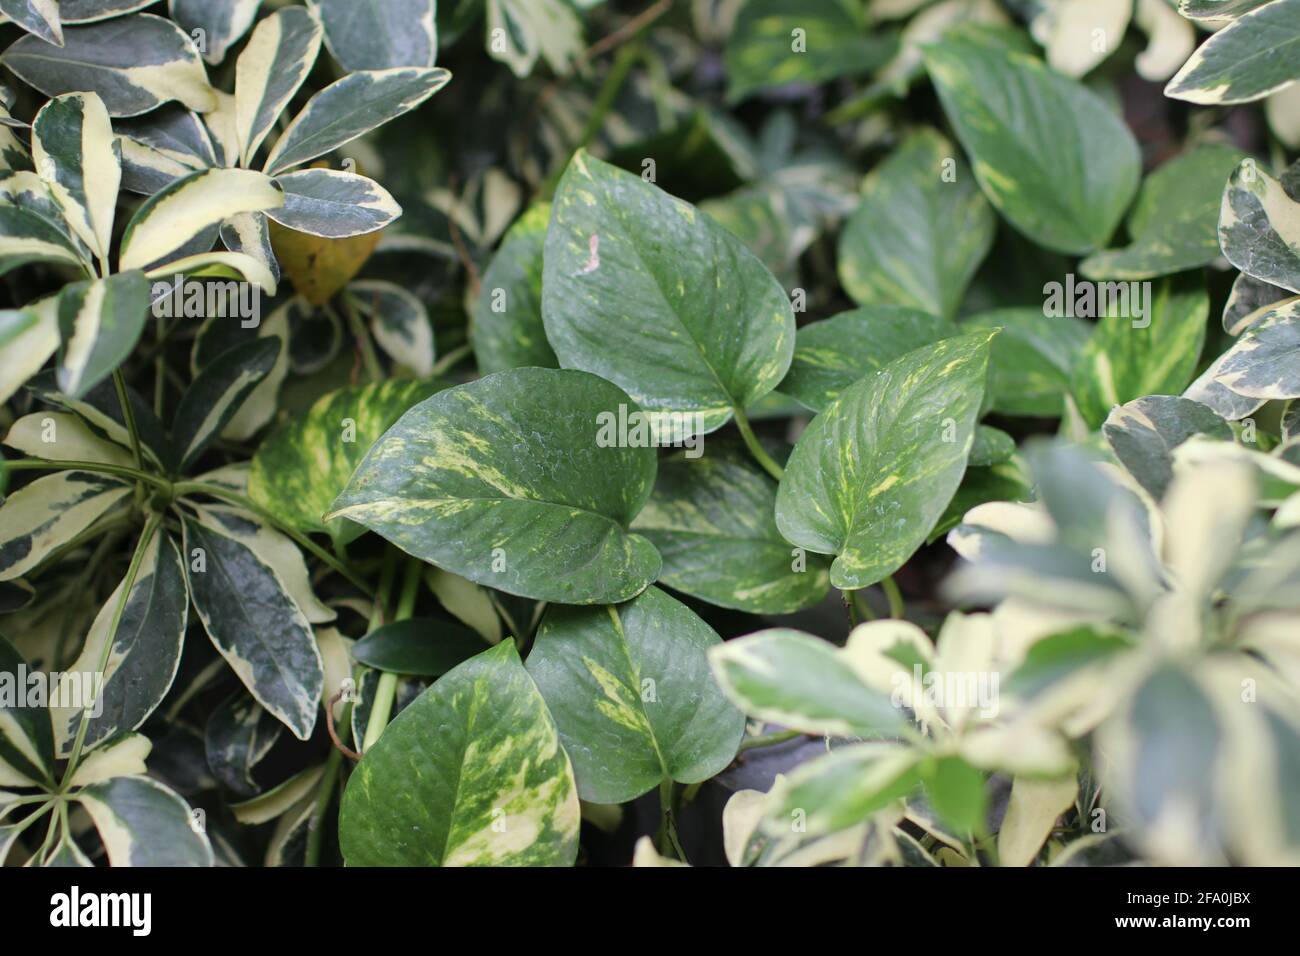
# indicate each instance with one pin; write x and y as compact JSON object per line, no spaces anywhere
{"x":501,"y":790}
{"x":507,"y":330}
{"x":631,"y":693}
{"x":505,"y":481}
{"x":646,"y":291}
{"x":873,"y":473}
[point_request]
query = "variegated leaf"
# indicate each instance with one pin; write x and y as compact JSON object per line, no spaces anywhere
{"x":26,"y":741}
{"x":1265,"y":361}
{"x":1144,"y":433}
{"x":217,"y":393}
{"x":249,"y":233}
{"x":135,"y":63}
{"x":1147,"y":347}
{"x":28,"y":337}
{"x":100,"y":409}
{"x":1032,"y":359}
{"x":843,"y":788}
{"x":1217,"y":9}
{"x":632,"y":695}
{"x":255,"y":625}
{"x":506,"y":481}
{"x":1248,"y":59}
{"x":711,"y":329}
{"x":100,"y":321}
{"x":76,"y":155}
{"x":1032,"y":813}
{"x":40,"y":18}
{"x":920,"y":231}
{"x":503,"y":792}
{"x":1053,"y":157}
{"x":507,"y":330}
{"x":143,"y":823}
{"x":380,"y":34}
{"x":220,"y":22}
{"x":303,"y":466}
{"x":874,"y":472}
{"x":278,"y":57}
{"x":145,"y":655}
{"x":1249,"y":302}
{"x":238,"y":735}
{"x":123,"y":756}
{"x":92,"y":11}
{"x":50,"y":512}
{"x":349,"y":108}
{"x":520,"y":31}
{"x":26,"y":238}
{"x":1070,"y":30}
{"x":1259,"y":227}
{"x":221,"y":264}
{"x":160,"y":147}
{"x":1174,"y":222}
{"x":333,"y":204}
{"x":61,"y":436}
{"x":804,"y":683}
{"x":711,"y":518}
{"x":398,"y":321}
{"x":173,"y":216}
{"x":832,"y":354}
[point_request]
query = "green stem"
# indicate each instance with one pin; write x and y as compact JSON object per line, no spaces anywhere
{"x":755,"y":448}
{"x":851,"y":607}
{"x":369,"y":359}
{"x":386,"y":691}
{"x":243,"y":501}
{"x":324,"y":793}
{"x":128,"y":416}
{"x":146,"y":537}
{"x":451,"y":359}
{"x":669,"y":845}
{"x":897,"y":608}
{"x":102,"y":468}
{"x":769,"y":740}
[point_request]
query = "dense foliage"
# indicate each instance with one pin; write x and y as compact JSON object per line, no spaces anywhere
{"x":801,"y":430}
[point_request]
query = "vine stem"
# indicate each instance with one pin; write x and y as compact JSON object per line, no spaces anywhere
{"x":315,"y":826}
{"x":769,"y":740}
{"x":451,"y":360}
{"x":897,"y":609}
{"x":243,"y":501}
{"x":132,"y":572}
{"x":669,"y":845}
{"x":755,"y":448}
{"x":387,"y":688}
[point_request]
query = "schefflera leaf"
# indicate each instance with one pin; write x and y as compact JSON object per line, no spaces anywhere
{"x":631,"y":692}
{"x":918,"y":235}
{"x":650,"y":293}
{"x":305,"y":464}
{"x":1053,"y":157}
{"x":873,"y":473}
{"x":469,"y":774}
{"x":507,"y":481}
{"x":711,"y":519}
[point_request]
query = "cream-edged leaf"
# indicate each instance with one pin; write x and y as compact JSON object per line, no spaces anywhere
{"x":75,"y":153}
{"x":50,"y":512}
{"x":274,"y":63}
{"x":333,"y":204}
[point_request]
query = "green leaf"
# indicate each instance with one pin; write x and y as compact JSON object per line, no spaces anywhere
{"x":507,"y":481}
{"x":100,"y":321}
{"x":176,"y":214}
{"x":238,"y":735}
{"x":304,"y":465}
{"x":273,"y":65}
{"x":1052,"y":156}
{"x":507,"y":330}
{"x":632,"y":695}
{"x":1147,"y":349}
{"x":38,"y":17}
{"x":1259,"y":227}
{"x":832,"y":354}
{"x":50,"y":512}
{"x":424,"y":647}
{"x":920,"y":231}
{"x":146,"y":649}
{"x":398,"y":321}
{"x":802,"y":682}
{"x":648,"y":292}
{"x":1057,"y":657}
{"x":26,"y":742}
{"x":956,"y":791}
{"x":1032,"y":359}
{"x":135,"y":63}
{"x":352,"y":107}
{"x":773,"y":44}
{"x":380,"y":34}
{"x":333,"y":204}
{"x":711,"y":518}
{"x":873,"y":473}
{"x":142,"y":823}
{"x":991,"y":446}
{"x":1174,"y":223}
{"x":254,"y":624}
{"x":496,"y":788}
{"x":222,"y":22}
{"x":1246,"y":60}
{"x":217,"y":393}
{"x":1144,"y":433}
{"x":844,"y":788}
